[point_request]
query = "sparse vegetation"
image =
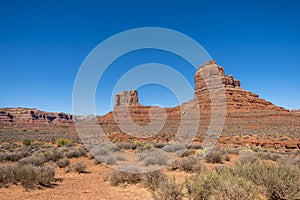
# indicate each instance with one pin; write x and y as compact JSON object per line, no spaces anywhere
{"x":79,"y":167}
{"x":174,"y":147}
{"x":187,"y":164}
{"x":153,"y":158}
{"x":26,"y":142}
{"x":168,"y":190}
{"x":120,"y":177}
{"x":27,"y":175}
{"x":214,"y":156}
{"x":247,"y":156}
{"x":63,"y":162}
{"x":63,"y":142}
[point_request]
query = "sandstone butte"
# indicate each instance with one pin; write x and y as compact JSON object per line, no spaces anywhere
{"x":250,"y":120}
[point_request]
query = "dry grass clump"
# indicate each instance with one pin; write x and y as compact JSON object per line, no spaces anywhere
{"x":247,"y":156}
{"x":188,"y":164}
{"x":174,"y":147}
{"x":168,"y":190}
{"x":128,"y":175}
{"x":214,"y":156}
{"x":13,"y":156}
{"x":153,"y":158}
{"x":79,"y":167}
{"x":247,"y":181}
{"x":280,"y":181}
{"x":75,"y":152}
{"x":269,"y":156}
{"x":64,"y":162}
{"x":26,"y":175}
{"x":36,"y":161}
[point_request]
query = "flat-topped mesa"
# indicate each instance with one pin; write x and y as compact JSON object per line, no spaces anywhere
{"x":212,"y":78}
{"x":129,"y":97}
{"x":30,"y":117}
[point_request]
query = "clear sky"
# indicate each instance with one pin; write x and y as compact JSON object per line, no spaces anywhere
{"x":43,"y":43}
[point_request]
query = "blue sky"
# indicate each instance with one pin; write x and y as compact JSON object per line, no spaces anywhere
{"x":43,"y":43}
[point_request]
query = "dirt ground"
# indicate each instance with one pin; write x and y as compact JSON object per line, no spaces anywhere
{"x":90,"y":185}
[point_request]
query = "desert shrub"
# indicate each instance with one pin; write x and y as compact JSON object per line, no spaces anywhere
{"x":202,"y":152}
{"x":104,"y":149}
{"x":290,"y":161}
{"x":13,"y":156}
{"x":169,"y":190}
{"x":26,"y":142}
{"x":230,"y":190}
{"x":27,"y":175}
{"x":226,"y":157}
{"x":79,"y":167}
{"x":128,"y":145}
{"x":63,"y":142}
{"x":153,"y":158}
{"x":63,"y":162}
{"x":246,"y":156}
{"x":137,"y":144}
{"x":196,"y":146}
{"x":45,"y":175}
{"x":185,"y":153}
{"x":50,"y":155}
{"x":280,"y":181}
{"x":202,"y":184}
{"x":145,"y":148}
{"x":214,"y":156}
{"x":120,"y":177}
{"x":6,"y":175}
{"x":269,"y":156}
{"x":107,"y":159}
{"x":152,"y":180}
{"x":159,"y":145}
{"x":75,"y":152}
{"x":174,"y":147}
{"x":187,"y":164}
{"x":36,"y":161}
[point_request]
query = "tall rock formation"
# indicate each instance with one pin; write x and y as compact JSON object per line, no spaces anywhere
{"x":237,"y":99}
{"x":129,"y":97}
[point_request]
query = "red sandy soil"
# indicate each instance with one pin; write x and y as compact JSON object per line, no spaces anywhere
{"x":90,"y":185}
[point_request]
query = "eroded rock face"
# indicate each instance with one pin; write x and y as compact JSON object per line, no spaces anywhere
{"x":26,"y":117}
{"x":129,"y":97}
{"x":246,"y":113}
{"x":250,"y":120}
{"x":212,"y":79}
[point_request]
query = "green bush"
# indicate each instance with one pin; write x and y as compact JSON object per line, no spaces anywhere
{"x":26,"y":142}
{"x":63,"y":142}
